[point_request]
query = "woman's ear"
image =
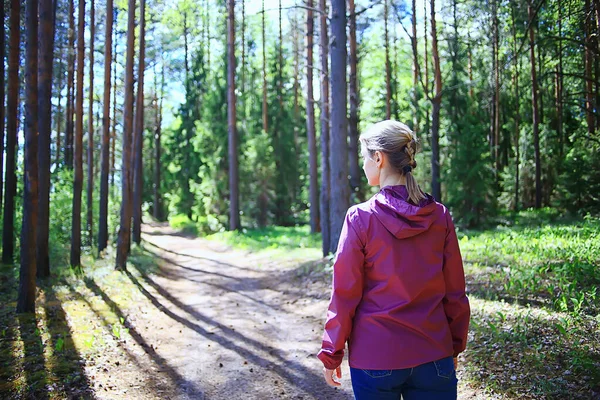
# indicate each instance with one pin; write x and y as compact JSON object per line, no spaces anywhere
{"x":378,"y":158}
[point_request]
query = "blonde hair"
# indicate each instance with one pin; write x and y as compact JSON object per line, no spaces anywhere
{"x":399,"y":143}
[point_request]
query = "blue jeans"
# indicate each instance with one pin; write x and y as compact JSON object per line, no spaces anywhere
{"x":434,"y":380}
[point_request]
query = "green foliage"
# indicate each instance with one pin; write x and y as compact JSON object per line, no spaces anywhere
{"x":273,"y":237}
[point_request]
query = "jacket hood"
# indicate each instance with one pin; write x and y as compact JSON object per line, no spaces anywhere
{"x":401,"y":218}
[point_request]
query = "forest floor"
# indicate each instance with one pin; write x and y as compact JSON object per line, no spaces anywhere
{"x":194,"y":318}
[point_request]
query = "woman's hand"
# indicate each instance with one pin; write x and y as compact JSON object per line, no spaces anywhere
{"x":328,"y":374}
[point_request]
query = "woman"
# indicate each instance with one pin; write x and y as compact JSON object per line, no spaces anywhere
{"x":398,"y":294}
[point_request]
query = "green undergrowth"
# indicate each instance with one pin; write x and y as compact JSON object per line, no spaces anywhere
{"x":77,"y":319}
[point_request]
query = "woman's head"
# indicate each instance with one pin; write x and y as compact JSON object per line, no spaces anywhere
{"x":391,"y":145}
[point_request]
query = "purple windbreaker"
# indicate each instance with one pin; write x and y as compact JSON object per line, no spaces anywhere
{"x":398,"y":295}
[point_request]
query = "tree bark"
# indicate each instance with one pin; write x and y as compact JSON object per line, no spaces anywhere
{"x":105,"y":152}
{"x":45,"y":57}
{"x":234,"y":208}
{"x":534,"y":101}
{"x":157,"y":147}
{"x":2,"y":50}
{"x":138,"y":175}
{"x":264,"y":68}
{"x":59,"y":109}
{"x":26,"y":298}
{"x":90,"y":149}
{"x":338,"y":158}
{"x":588,"y":62}
{"x":355,"y":171}
{"x":78,"y":142}
{"x":416,"y":69}
{"x":325,"y":171}
{"x":436,"y":101}
{"x":496,"y":62}
{"x":388,"y":69}
{"x":559,"y":89}
{"x":517,"y":111}
{"x":124,"y":236}
{"x":113,"y":135}
{"x":310,"y":122}
{"x":70,"y":88}
{"x":243,"y":67}
{"x":12,"y":108}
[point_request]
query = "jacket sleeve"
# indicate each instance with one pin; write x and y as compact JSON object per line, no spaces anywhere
{"x":456,"y":303}
{"x":346,"y":292}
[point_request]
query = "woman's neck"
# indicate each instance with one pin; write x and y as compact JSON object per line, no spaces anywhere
{"x":391,"y":179}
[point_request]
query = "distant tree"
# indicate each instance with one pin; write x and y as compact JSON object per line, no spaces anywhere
{"x":355,"y":171}
{"x":2,"y":51}
{"x":90,"y":146}
{"x":325,"y":170}
{"x":436,"y":102}
{"x":310,"y":122}
{"x":70,"y":88}
{"x":534,"y":101}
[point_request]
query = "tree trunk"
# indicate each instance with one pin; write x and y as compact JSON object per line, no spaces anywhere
{"x":559,"y":89}
{"x":234,"y":208}
{"x":388,"y":70}
{"x":325,"y":171}
{"x":534,"y":100}
{"x":416,"y":69}
{"x":243,"y":67}
{"x":338,"y":158}
{"x":90,"y":149}
{"x":113,"y":135}
{"x":517,"y":111}
{"x":436,"y":101}
{"x":355,"y":171}
{"x":105,"y":152}
{"x":588,"y":62}
{"x":310,"y":122}
{"x":59,"y":109}
{"x":264,"y":60}
{"x":426,"y":62}
{"x":12,"y":109}
{"x":138,"y":176}
{"x":45,"y":56}
{"x":70,"y":88}
{"x":496,"y":62}
{"x":78,"y":159}
{"x":26,"y":299}
{"x":126,"y":181}
{"x":157,"y":147}
{"x":2,"y":50}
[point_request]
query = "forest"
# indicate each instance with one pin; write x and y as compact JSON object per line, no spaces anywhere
{"x":144,"y":143}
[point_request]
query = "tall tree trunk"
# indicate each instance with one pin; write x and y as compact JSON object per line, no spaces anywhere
{"x":45,"y":56}
{"x":416,"y":69}
{"x":559,"y":89}
{"x":296,"y":116}
{"x":310,"y":122}
{"x":496,"y":62}
{"x":105,"y":152}
{"x":12,"y":108}
{"x":243,"y":67}
{"x":208,"y":35}
{"x":124,"y":236}
{"x":388,"y":69}
{"x":436,"y":101}
{"x":70,"y":88}
{"x":264,"y":68}
{"x":325,"y":171}
{"x":138,"y":132}
{"x":588,"y":62}
{"x":338,"y":158}
{"x":59,"y":109}
{"x":470,"y":65}
{"x":234,"y":208}
{"x":517,"y":110}
{"x":26,"y":299}
{"x":113,"y":135}
{"x":2,"y":49}
{"x":157,"y":147}
{"x":355,"y":172}
{"x":426,"y":62}
{"x":534,"y":100}
{"x":90,"y":149}
{"x":78,"y":142}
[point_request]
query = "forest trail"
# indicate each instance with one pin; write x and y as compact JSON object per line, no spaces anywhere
{"x":220,"y":323}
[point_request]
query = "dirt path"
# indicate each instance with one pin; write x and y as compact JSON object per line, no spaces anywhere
{"x":216,"y":323}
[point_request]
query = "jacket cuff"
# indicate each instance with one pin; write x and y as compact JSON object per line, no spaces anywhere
{"x":330,"y":361}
